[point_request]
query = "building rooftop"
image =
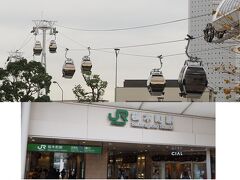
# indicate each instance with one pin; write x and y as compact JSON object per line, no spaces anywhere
{"x":143,"y":83}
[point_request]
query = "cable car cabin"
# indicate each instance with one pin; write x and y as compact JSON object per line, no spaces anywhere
{"x":225,"y":22}
{"x":86,"y":65}
{"x":192,"y":80}
{"x":37,"y":49}
{"x":52,"y":46}
{"x":68,"y":69}
{"x":156,"y":83}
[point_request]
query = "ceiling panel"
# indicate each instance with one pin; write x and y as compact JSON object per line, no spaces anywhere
{"x":134,"y":105}
{"x":201,"y":109}
{"x":165,"y":107}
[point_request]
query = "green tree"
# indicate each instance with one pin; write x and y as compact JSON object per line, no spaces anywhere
{"x":96,"y":85}
{"x":24,"y":81}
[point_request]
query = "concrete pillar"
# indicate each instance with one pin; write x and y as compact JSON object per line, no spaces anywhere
{"x":162,"y":170}
{"x":208,"y":164}
{"x":25,"y":117}
{"x":78,"y":166}
{"x":96,"y":165}
{"x":148,"y":166}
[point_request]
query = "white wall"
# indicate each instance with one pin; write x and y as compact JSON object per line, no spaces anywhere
{"x":215,"y":57}
{"x":58,"y":120}
{"x":86,"y":122}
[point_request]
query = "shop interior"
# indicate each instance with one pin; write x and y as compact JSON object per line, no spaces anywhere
{"x":55,"y":165}
{"x":157,"y":161}
{"x":125,"y":160}
{"x":45,"y":165}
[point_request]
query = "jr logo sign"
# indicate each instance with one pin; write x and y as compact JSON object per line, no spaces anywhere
{"x":42,"y":147}
{"x":120,"y":118}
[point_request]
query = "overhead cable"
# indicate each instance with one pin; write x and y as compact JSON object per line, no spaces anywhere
{"x":168,"y":55}
{"x":26,"y":41}
{"x":140,"y":45}
{"x":146,"y":56}
{"x":73,"y":40}
{"x":143,"y":45}
{"x":151,"y":56}
{"x":134,"y":27}
{"x":134,"y":46}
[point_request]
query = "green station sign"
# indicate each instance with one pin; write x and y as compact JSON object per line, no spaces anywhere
{"x":64,"y":148}
{"x":120,"y":118}
{"x":141,"y":119}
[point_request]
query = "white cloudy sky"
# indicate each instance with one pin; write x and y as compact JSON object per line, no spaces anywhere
{"x":16,"y":23}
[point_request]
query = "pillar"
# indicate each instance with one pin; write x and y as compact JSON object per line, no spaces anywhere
{"x":148,"y":166}
{"x":96,"y":165}
{"x":162,"y":170}
{"x":25,"y":117}
{"x":208,"y":164}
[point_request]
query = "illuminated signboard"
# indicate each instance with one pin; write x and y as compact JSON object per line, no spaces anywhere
{"x":64,"y":148}
{"x":176,"y":153}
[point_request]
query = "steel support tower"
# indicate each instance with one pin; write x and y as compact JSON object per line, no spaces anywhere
{"x":44,"y":26}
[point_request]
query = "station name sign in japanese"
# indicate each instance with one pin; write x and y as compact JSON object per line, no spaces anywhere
{"x":141,"y":120}
{"x":64,"y":148}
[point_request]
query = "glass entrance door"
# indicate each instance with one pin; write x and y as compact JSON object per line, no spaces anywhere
{"x":60,"y":163}
{"x":71,"y":165}
{"x":126,"y":166}
{"x":175,"y":170}
{"x":199,"y":170}
{"x":49,"y":165}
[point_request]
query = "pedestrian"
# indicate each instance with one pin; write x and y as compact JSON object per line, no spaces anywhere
{"x":156,"y":174}
{"x":42,"y":174}
{"x":185,"y":175}
{"x":63,"y":173}
{"x":57,"y":174}
{"x":121,"y":174}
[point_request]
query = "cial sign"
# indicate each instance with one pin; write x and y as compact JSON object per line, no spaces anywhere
{"x":176,"y":153}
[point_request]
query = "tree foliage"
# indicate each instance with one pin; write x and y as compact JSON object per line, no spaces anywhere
{"x":24,"y":81}
{"x":96,"y":85}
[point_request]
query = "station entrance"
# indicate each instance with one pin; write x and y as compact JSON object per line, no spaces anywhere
{"x":48,"y":165}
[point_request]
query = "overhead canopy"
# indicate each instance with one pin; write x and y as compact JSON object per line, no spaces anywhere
{"x":201,"y":109}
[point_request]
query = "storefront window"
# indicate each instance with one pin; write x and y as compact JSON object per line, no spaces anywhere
{"x":178,"y":170}
{"x":177,"y":166}
{"x":213,"y":166}
{"x":51,"y":165}
{"x":157,"y":170}
{"x":127,"y":166}
{"x":141,"y":167}
{"x":199,"y":171}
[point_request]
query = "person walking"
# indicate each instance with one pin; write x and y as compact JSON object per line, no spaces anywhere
{"x":63,"y":173}
{"x":185,"y":175}
{"x":156,"y":174}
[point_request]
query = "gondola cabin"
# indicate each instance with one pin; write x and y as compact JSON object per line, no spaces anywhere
{"x":52,"y":46}
{"x":156,"y":83}
{"x":37,"y":49}
{"x":86,"y":64}
{"x":192,"y":80}
{"x":68,"y":69}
